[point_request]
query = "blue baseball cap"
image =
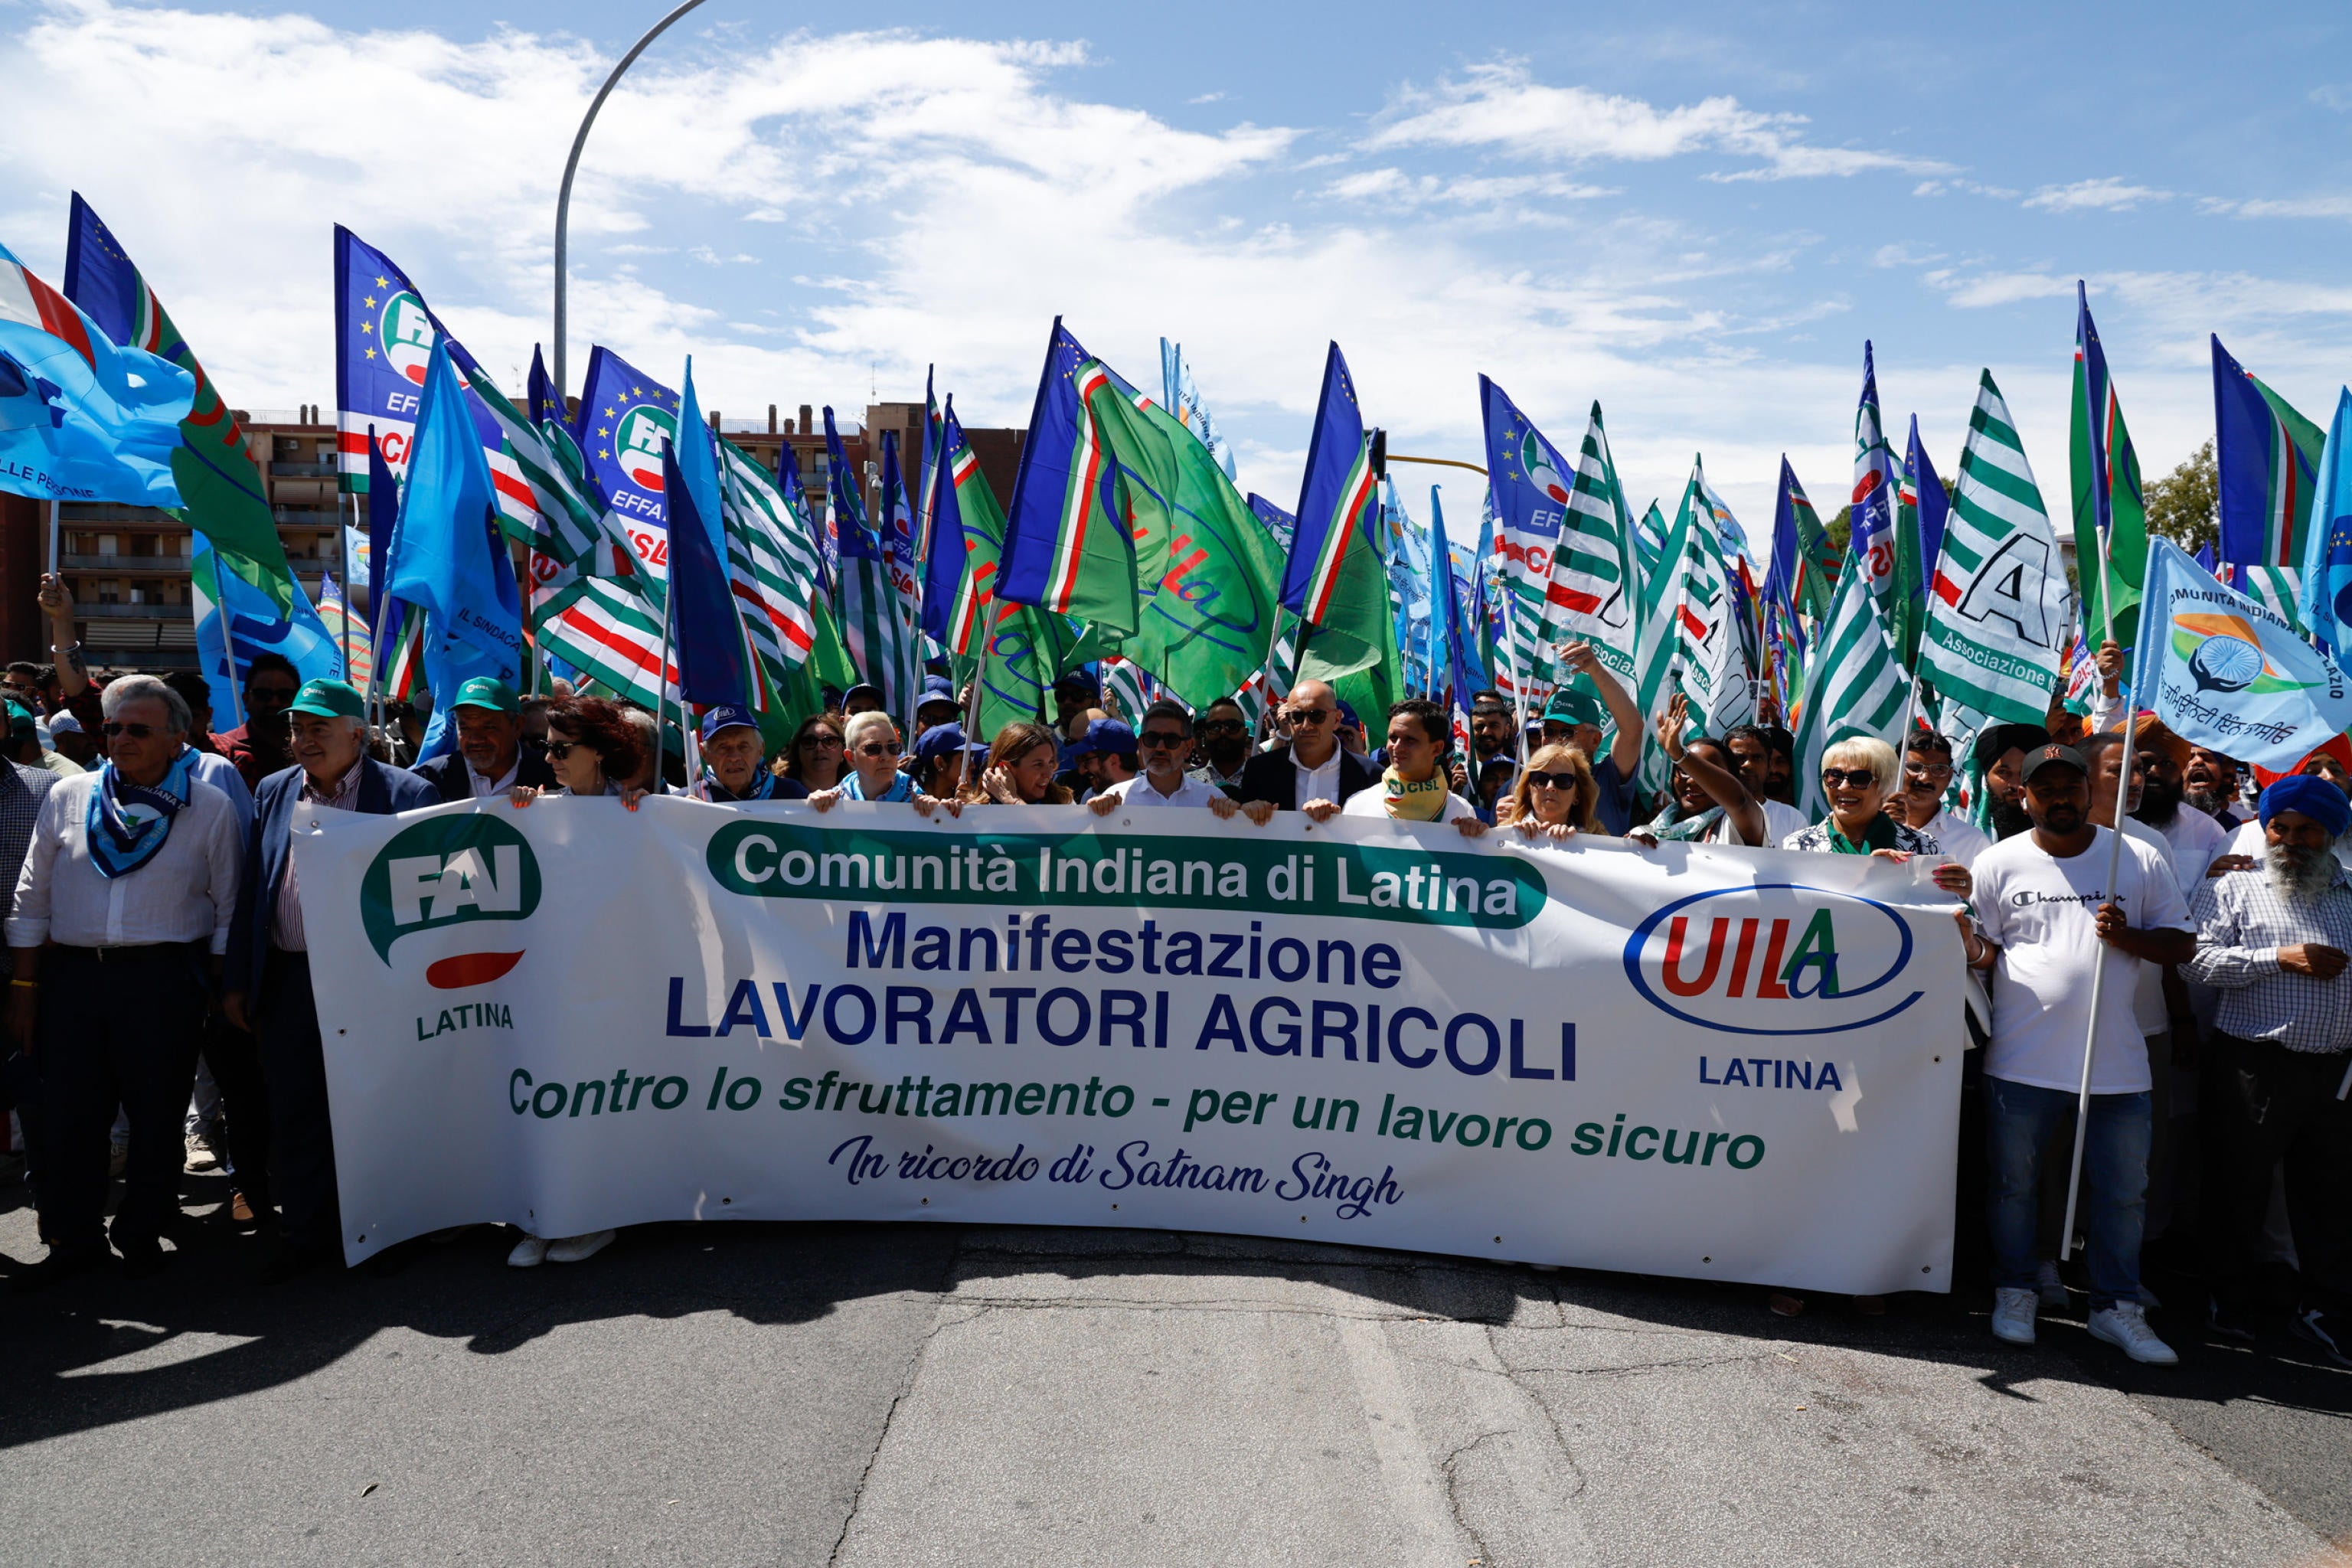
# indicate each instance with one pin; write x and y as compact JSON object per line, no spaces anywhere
{"x":726,"y":716}
{"x":941,"y":739}
{"x":1108,"y":736}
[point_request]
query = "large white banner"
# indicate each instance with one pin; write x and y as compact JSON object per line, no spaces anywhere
{"x":1691,"y":1061}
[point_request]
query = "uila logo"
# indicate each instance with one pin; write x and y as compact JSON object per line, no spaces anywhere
{"x":445,"y":872}
{"x":1775,"y":959}
{"x":406,"y":333}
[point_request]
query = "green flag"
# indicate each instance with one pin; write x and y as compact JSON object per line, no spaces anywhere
{"x":1208,"y":618}
{"x":1353,"y":648}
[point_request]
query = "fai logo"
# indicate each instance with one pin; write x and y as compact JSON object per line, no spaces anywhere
{"x":444,"y":873}
{"x":1776,"y":959}
{"x":644,"y":428}
{"x":406,"y":333}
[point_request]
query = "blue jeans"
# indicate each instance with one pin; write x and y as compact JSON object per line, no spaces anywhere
{"x":2020,"y":1120}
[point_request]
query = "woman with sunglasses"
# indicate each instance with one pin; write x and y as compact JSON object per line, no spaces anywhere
{"x":590,"y":745}
{"x":1020,"y":770}
{"x":818,"y":754}
{"x":1858,"y":774}
{"x":874,"y":774}
{"x":1556,"y":796}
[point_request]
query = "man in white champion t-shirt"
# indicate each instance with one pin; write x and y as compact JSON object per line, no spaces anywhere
{"x":2050,"y":924}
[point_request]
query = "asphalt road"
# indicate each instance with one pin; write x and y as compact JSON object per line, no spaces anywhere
{"x":895,"y":1395}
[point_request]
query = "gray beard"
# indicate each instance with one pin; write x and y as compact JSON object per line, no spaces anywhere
{"x":2299,"y":876}
{"x":2211,"y":803}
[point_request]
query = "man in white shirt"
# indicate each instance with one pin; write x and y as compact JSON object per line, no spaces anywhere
{"x":2195,"y":838}
{"x":2050,"y":924}
{"x":132,"y":876}
{"x":1165,"y":743}
{"x":489,"y":759}
{"x":1413,"y":787}
{"x":1310,"y":766}
{"x":1926,"y":775}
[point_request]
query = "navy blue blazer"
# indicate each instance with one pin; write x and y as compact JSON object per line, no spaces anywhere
{"x":382,"y":791}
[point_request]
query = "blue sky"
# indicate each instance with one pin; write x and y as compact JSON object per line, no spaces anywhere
{"x":1697,"y":223}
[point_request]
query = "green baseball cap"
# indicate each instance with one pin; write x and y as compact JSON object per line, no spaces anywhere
{"x":329,"y":700}
{"x":20,"y":719}
{"x":1576,"y":705}
{"x":487,"y":691}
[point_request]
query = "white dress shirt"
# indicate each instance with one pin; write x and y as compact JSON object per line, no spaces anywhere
{"x":1140,"y":791}
{"x":1958,"y":837}
{"x":484,"y":787}
{"x":287,"y":932}
{"x":1317,"y":784}
{"x":187,"y":893}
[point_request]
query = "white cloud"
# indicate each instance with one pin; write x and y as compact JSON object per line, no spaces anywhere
{"x":1978,"y":290}
{"x":2292,"y":206}
{"x":1396,"y":188}
{"x":1903,"y":256}
{"x":2109,"y":194}
{"x":2334,"y":95}
{"x":1208,"y":98}
{"x":1500,"y":105}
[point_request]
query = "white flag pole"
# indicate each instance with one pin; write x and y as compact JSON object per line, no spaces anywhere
{"x":2098,"y":983}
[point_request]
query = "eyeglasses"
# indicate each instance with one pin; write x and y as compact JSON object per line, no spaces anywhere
{"x":1161,"y":741}
{"x":878,"y":749}
{"x":269,"y":696}
{"x":1221,"y":727}
{"x":559,"y":750}
{"x":820,"y":740}
{"x":1940,"y":773}
{"x":1554,"y":781}
{"x":1848,"y":778}
{"x":1309,"y":715}
{"x":136,"y":731}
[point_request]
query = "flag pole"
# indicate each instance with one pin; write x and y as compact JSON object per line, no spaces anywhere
{"x":2098,"y":983}
{"x":53,"y":537}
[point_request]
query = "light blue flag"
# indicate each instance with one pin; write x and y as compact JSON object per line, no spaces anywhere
{"x":235,"y":620}
{"x":81,"y":419}
{"x":2327,"y":591}
{"x":446,"y":557}
{"x":2224,"y":671}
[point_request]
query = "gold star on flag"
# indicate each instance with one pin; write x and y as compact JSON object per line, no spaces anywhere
{"x":601,"y":453}
{"x":608,"y":413}
{"x":366,"y":328}
{"x":383,"y":282}
{"x":369,"y":301}
{"x":371,"y":354}
{"x":637,"y":391}
{"x":601,"y":431}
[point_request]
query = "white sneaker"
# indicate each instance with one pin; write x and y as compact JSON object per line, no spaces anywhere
{"x":528,"y":1253}
{"x":2049,"y":1286}
{"x":2125,"y":1326}
{"x":2012,"y":1315}
{"x":202,"y":1155}
{"x":578,"y":1248}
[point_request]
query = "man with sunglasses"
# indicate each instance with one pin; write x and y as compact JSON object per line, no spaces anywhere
{"x":1165,"y":743}
{"x":1224,"y":745}
{"x":260,"y":747}
{"x":1926,"y":775}
{"x":129,"y":881}
{"x":1312,"y":768}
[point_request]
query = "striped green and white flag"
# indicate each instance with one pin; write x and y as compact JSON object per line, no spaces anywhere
{"x":1857,"y":687}
{"x":612,"y":632}
{"x":2277,"y":589}
{"x":771,"y":567}
{"x":1593,"y":593}
{"x":1687,"y":641}
{"x":1996,"y":619}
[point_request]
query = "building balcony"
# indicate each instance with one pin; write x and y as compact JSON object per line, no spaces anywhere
{"x":305,"y":517}
{"x":303,"y":470}
{"x":179,"y":564}
{"x":133,"y":612}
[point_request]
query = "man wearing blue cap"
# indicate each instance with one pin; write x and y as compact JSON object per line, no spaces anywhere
{"x":265,"y":984}
{"x":732,"y":751}
{"x":2274,"y":942}
{"x":1111,"y":744}
{"x":490,"y":758}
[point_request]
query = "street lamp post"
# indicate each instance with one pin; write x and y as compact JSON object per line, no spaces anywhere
{"x":572,"y":166}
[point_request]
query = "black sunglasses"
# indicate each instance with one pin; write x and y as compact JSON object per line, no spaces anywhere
{"x":1309,"y":715}
{"x":1161,"y":741}
{"x":559,"y":750}
{"x":1220,"y":726}
{"x":1554,"y":781}
{"x":1848,"y":778}
{"x":136,"y":731}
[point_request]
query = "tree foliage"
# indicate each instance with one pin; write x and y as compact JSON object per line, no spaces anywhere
{"x":2185,"y":505}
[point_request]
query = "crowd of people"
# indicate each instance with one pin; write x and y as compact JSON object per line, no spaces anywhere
{"x":160,"y":1014}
